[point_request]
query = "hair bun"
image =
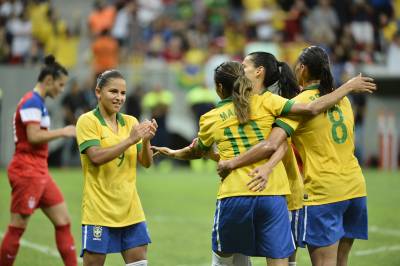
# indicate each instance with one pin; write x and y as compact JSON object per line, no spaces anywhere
{"x":49,"y":60}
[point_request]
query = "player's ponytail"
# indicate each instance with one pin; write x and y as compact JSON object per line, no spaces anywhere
{"x":317,"y":62}
{"x":287,"y":81}
{"x":276,"y":72}
{"x":51,"y":67}
{"x":236,"y":85}
{"x":240,"y":96}
{"x":326,"y":80}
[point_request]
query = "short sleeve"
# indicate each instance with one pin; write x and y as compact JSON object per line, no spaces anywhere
{"x":87,"y":133}
{"x":31,"y":111}
{"x":205,"y":135}
{"x":289,"y":124}
{"x":276,"y":104}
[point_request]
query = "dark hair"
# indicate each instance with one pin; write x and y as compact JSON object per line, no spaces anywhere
{"x":276,"y":71}
{"x":51,"y":67}
{"x":317,"y":62}
{"x":234,"y":83}
{"x":104,"y":77}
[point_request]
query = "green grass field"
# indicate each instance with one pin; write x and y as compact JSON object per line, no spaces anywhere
{"x":179,"y":207}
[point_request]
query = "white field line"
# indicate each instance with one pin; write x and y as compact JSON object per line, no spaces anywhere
{"x":377,"y":250}
{"x":40,"y":248}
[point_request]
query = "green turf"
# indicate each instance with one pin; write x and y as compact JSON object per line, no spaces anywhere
{"x":179,"y":207}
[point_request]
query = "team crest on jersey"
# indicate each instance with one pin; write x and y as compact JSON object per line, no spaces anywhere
{"x":31,"y":202}
{"x":97,"y":232}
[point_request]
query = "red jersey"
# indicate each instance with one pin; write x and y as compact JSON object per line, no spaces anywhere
{"x":29,"y":160}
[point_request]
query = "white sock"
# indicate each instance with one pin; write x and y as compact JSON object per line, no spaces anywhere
{"x":138,"y":263}
{"x":241,"y":260}
{"x":292,"y":263}
{"x":221,"y":261}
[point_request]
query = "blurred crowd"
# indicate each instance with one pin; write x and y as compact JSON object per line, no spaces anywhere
{"x":192,"y":37}
{"x":176,"y":31}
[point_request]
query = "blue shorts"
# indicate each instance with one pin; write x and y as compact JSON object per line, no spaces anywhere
{"x":296,"y":221}
{"x":326,"y":224}
{"x":256,"y":226}
{"x":104,"y":239}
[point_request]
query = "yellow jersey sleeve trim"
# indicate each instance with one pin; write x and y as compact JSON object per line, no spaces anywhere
{"x":287,"y":107}
{"x":139,"y":147}
{"x":202,"y":146}
{"x":89,"y":143}
{"x":288,"y":129}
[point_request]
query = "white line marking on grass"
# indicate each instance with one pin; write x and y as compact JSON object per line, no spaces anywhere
{"x":42,"y":249}
{"x":377,"y":250}
{"x":384,"y":231}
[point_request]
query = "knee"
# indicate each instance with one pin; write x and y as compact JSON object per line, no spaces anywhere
{"x":19,"y":220}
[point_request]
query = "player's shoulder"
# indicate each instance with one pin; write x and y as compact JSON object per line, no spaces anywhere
{"x":88,"y":117}
{"x":31,"y":100}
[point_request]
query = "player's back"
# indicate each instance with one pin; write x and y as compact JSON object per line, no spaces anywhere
{"x":221,"y":126}
{"x":326,"y":146}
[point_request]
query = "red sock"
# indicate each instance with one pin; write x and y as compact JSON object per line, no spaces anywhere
{"x":65,"y":245}
{"x":10,"y":245}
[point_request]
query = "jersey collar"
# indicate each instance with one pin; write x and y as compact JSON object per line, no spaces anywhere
{"x":97,"y":113}
{"x":224,"y":101}
{"x":311,"y":87}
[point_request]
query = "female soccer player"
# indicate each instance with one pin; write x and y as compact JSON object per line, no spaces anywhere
{"x":110,"y":143}
{"x":28,"y":173}
{"x":268,"y":74}
{"x":335,"y":210}
{"x":240,"y":121}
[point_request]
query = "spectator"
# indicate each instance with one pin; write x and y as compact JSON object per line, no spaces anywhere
{"x":66,"y":47}
{"x":393,"y":55}
{"x":101,"y":18}
{"x":322,"y":23}
{"x":361,"y":25}
{"x":20,"y":28}
{"x":11,"y":8}
{"x":105,"y":53}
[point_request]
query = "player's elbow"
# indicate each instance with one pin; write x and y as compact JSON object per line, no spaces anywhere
{"x":146,"y":164}
{"x":269,"y":147}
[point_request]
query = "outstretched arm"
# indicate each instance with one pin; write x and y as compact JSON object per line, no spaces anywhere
{"x":261,"y":151}
{"x":357,"y":84}
{"x":188,"y":153}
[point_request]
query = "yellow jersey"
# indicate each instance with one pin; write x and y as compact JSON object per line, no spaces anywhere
{"x":221,"y":126}
{"x":295,"y":199}
{"x":326,"y":146}
{"x":110,"y":196}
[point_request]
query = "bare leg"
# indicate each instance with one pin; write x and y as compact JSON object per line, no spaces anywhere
{"x":277,"y":262}
{"x":345,"y":245}
{"x":134,"y":254}
{"x":93,"y":259}
{"x":58,"y":214}
{"x":324,"y":256}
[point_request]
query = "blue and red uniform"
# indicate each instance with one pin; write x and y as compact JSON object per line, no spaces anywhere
{"x":31,"y":183}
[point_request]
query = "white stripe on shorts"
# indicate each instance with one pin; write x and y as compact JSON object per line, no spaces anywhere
{"x":305,"y":223}
{"x":217,"y":225}
{"x":296,"y":224}
{"x":84,"y":236}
